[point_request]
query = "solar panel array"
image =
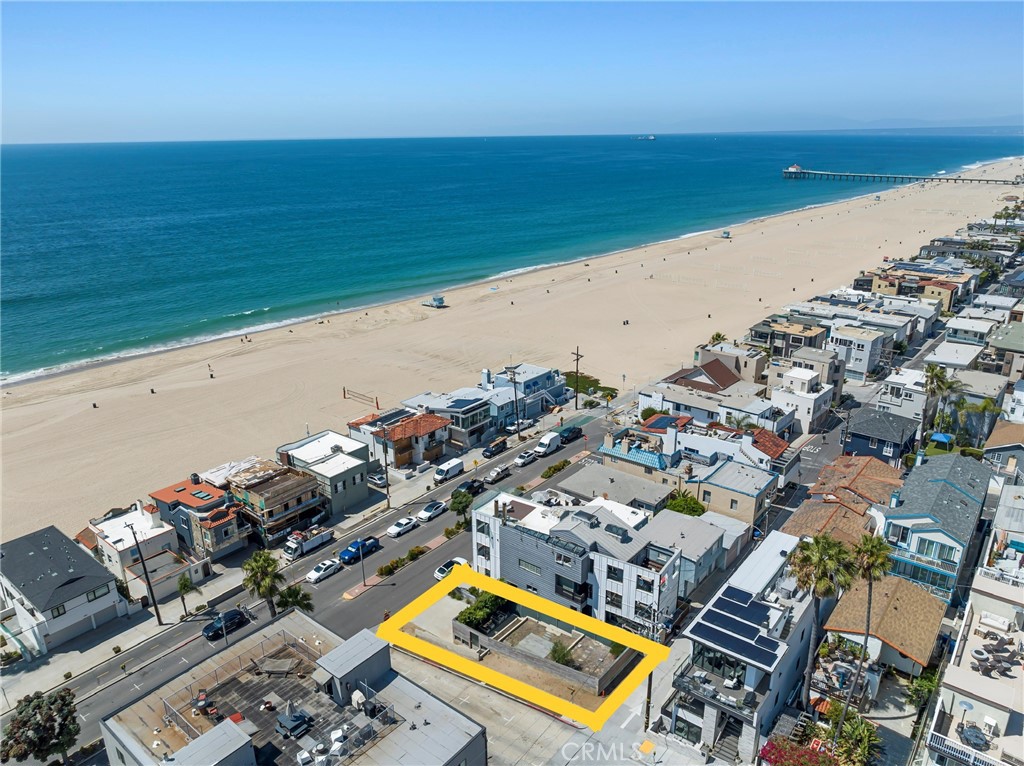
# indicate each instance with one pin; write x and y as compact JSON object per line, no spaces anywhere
{"x":735,"y":623}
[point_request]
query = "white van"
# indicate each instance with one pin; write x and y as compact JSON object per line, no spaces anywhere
{"x":448,"y":470}
{"x":549,"y":442}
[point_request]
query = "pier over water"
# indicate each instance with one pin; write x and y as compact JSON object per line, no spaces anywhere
{"x":795,"y":171}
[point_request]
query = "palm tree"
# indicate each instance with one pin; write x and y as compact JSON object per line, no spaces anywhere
{"x":870,"y":562}
{"x":822,"y":568}
{"x":961,"y":408}
{"x":186,"y":586}
{"x":934,"y":383}
{"x":989,"y":410}
{"x":952,"y":388}
{"x":739,"y":422}
{"x":295,"y":596}
{"x":263,"y":578}
{"x":718,"y":337}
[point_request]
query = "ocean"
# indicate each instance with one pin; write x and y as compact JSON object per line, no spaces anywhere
{"x":110,"y":250}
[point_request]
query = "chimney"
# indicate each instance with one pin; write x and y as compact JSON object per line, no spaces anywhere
{"x":919,"y":460}
{"x":194,"y":478}
{"x":894,"y":499}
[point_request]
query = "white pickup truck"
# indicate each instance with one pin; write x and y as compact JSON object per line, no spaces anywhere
{"x":498,"y":473}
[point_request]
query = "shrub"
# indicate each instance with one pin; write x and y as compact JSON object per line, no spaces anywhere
{"x":199,"y":608}
{"x":646,"y":412}
{"x":687,"y":504}
{"x":561,"y":654}
{"x":117,"y":650}
{"x":3,"y":641}
{"x":460,"y":503}
{"x":616,"y":649}
{"x":480,"y":613}
{"x":589,"y":404}
{"x":68,"y":675}
{"x":415,"y":552}
{"x":551,"y":470}
{"x":385,"y":570}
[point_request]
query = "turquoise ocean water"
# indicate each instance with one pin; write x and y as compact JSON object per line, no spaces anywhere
{"x":115,"y":249}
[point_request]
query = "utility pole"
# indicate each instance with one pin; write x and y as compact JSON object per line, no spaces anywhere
{"x":647,"y":701}
{"x":362,"y":569}
{"x":576,"y":389}
{"x":145,"y":573}
{"x":511,"y":372}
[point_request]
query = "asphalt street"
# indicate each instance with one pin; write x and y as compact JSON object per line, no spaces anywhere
{"x":153,"y":663}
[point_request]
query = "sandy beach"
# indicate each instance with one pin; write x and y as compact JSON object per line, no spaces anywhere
{"x":65,"y":461}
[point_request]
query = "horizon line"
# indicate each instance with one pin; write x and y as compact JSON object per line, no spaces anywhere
{"x":918,"y":129}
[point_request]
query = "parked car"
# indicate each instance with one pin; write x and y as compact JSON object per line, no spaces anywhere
{"x":360,"y":548}
{"x":403,"y":525}
{"x":498,"y":473}
{"x":525,"y":458}
{"x":379,"y":479}
{"x":445,"y":569}
{"x":571,"y":434}
{"x":496,"y":447}
{"x":474,"y":487}
{"x":430,"y":511}
{"x":228,"y":622}
{"x":523,"y":425}
{"x":323,"y":570}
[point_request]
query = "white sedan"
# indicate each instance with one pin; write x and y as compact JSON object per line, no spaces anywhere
{"x":323,"y":570}
{"x":524,"y":458}
{"x":402,"y":526}
{"x":445,"y":569}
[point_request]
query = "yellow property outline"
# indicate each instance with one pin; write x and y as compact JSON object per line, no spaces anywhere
{"x":653,"y":653}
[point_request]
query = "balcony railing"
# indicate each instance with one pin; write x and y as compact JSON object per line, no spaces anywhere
{"x":1015,"y":579}
{"x":962,"y":753}
{"x":733,"y":701}
{"x":917,"y":558}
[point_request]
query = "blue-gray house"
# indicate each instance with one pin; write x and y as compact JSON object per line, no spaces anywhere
{"x":932,"y":519}
{"x":883,"y":435}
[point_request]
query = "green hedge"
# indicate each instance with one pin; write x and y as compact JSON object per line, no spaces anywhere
{"x":551,"y":470}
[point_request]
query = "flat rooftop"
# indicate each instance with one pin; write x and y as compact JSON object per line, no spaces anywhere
{"x":953,"y":354}
{"x":319,"y":446}
{"x":115,"y":531}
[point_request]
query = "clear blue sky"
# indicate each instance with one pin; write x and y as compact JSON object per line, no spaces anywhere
{"x":192,"y":71}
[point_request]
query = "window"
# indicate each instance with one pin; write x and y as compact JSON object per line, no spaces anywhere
{"x":732,"y":505}
{"x":706,"y":496}
{"x":120,"y":755}
{"x":644,"y":584}
{"x":936,"y":550}
{"x":613,"y":599}
{"x":226,"y":533}
{"x":873,"y":443}
{"x":57,"y":611}
{"x":100,"y":591}
{"x":887,"y":449}
{"x":531,"y":588}
{"x":484,"y":552}
{"x":564,"y":559}
{"x":614,"y":573}
{"x":483,"y":528}
{"x":898,"y":534}
{"x":529,"y":567}
{"x":648,"y":471}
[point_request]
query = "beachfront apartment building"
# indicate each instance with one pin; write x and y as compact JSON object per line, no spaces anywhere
{"x":781,"y":337}
{"x":276,"y":500}
{"x":123,"y":537}
{"x":973,"y":331}
{"x":932,"y":522}
{"x":979,"y":718}
{"x":467,"y":409}
{"x":52,"y":591}
{"x":537,"y":390}
{"x":922,"y":311}
{"x":801,"y":392}
{"x":903,"y":393}
{"x":603,"y":559}
{"x":746,"y":650}
{"x":339,"y":464}
{"x":1004,"y":351}
{"x":1011,"y":284}
{"x":206,"y":523}
{"x":860,"y":348}
{"x":830,"y":312}
{"x":830,"y":368}
{"x":402,"y":438}
{"x":745,"y":363}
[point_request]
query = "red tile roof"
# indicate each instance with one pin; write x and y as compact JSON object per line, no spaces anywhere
{"x":423,"y":424}
{"x":363,"y":420}
{"x":87,"y":537}
{"x":220,"y":516}
{"x":770,"y":444}
{"x":182,"y":493}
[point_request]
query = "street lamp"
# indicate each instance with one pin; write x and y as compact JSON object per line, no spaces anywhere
{"x":510,"y":371}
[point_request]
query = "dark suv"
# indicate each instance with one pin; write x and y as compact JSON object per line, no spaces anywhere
{"x":571,"y":434}
{"x":496,"y":448}
{"x":228,"y":622}
{"x":473,"y":487}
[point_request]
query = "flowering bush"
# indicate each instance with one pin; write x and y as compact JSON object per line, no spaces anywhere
{"x":782,"y":752}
